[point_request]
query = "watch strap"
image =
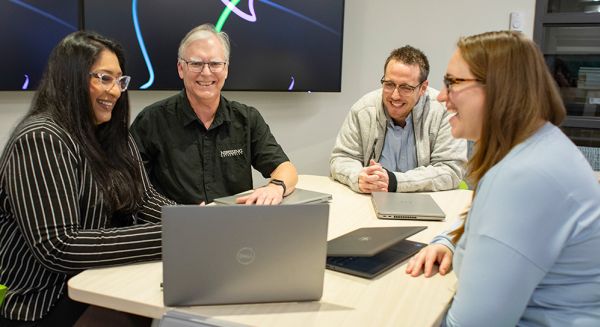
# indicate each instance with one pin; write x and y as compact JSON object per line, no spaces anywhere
{"x":280,"y":183}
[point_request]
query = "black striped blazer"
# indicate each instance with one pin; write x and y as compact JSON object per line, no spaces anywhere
{"x":53,"y":223}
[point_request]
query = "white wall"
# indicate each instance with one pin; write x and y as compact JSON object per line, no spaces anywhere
{"x":306,"y":124}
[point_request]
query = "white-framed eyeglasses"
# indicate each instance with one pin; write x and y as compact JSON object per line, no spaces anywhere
{"x":198,"y":66}
{"x":108,"y":81}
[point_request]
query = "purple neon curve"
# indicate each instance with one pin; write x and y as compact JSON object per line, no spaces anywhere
{"x":237,"y":11}
{"x":26,"y":83}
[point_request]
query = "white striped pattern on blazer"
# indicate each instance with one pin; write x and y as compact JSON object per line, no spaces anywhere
{"x":53,"y":223}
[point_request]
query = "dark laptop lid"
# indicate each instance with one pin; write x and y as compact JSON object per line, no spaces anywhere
{"x":369,"y":241}
{"x":299,"y":196}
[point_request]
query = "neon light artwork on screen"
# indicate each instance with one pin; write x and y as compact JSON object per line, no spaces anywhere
{"x":275,"y":45}
{"x":28,"y":32}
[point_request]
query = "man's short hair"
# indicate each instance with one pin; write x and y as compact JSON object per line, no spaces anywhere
{"x":202,"y":32}
{"x":410,"y":56}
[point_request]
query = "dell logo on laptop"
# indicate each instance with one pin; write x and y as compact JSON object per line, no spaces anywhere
{"x":246,"y":255}
{"x":364,"y":238}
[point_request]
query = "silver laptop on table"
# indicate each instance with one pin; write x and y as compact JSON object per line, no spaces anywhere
{"x":299,"y":196}
{"x":411,"y":206}
{"x":243,"y":254}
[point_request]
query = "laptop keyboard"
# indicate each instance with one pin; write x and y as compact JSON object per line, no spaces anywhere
{"x":374,"y":265}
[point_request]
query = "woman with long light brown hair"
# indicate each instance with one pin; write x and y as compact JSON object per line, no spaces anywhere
{"x":526,"y":253}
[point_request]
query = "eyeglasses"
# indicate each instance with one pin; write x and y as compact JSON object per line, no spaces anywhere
{"x":198,"y":66}
{"x":108,"y":81}
{"x":403,"y":89}
{"x":449,"y":81}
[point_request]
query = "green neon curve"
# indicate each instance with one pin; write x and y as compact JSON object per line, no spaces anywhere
{"x":224,"y":16}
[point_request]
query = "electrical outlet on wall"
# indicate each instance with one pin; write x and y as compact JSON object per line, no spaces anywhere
{"x":516,"y":21}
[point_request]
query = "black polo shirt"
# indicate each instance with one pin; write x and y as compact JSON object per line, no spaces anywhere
{"x":190,"y":164}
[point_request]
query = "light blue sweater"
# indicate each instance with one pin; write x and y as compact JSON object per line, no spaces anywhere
{"x":530,"y":255}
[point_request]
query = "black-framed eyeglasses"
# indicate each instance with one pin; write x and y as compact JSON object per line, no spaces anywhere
{"x":198,"y":66}
{"x":450,"y":81}
{"x":108,"y":81}
{"x":403,"y":89}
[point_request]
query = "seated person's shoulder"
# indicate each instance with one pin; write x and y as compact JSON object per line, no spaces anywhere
{"x":42,"y":126}
{"x":160,"y":108}
{"x":370,"y":101}
{"x":239,"y":107}
{"x":433,"y":93}
{"x":242,"y":112}
{"x":155,"y":116}
{"x":435,"y":105}
{"x":42,"y":129}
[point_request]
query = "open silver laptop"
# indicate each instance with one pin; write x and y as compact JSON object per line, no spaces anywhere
{"x":299,"y":196}
{"x":411,"y":206}
{"x":243,"y":254}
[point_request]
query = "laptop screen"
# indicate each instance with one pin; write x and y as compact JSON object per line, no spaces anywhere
{"x":243,"y":254}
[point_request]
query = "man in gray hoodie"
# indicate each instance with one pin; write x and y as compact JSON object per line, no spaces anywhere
{"x":397,"y":138}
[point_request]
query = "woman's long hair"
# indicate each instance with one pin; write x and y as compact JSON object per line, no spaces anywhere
{"x":64,"y":94}
{"x":520,"y":95}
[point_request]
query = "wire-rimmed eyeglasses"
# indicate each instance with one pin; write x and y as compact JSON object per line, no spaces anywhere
{"x":108,"y":81}
{"x":198,"y":66}
{"x":403,"y":89}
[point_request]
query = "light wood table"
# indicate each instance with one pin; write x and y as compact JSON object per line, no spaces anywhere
{"x":392,"y":299}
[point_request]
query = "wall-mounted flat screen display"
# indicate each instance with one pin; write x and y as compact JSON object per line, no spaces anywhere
{"x":278,"y":45}
{"x":29,"y":30}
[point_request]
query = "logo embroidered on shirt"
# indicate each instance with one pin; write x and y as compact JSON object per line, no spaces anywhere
{"x":231,"y":153}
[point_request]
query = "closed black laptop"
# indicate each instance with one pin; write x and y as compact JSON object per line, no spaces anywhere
{"x":368,"y":252}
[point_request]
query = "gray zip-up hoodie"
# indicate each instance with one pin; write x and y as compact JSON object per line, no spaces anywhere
{"x":441,"y":158}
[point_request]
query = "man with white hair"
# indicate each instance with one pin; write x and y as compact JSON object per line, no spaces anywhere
{"x":197,"y":145}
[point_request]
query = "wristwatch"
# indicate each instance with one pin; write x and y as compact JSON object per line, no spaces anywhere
{"x":280,"y":183}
